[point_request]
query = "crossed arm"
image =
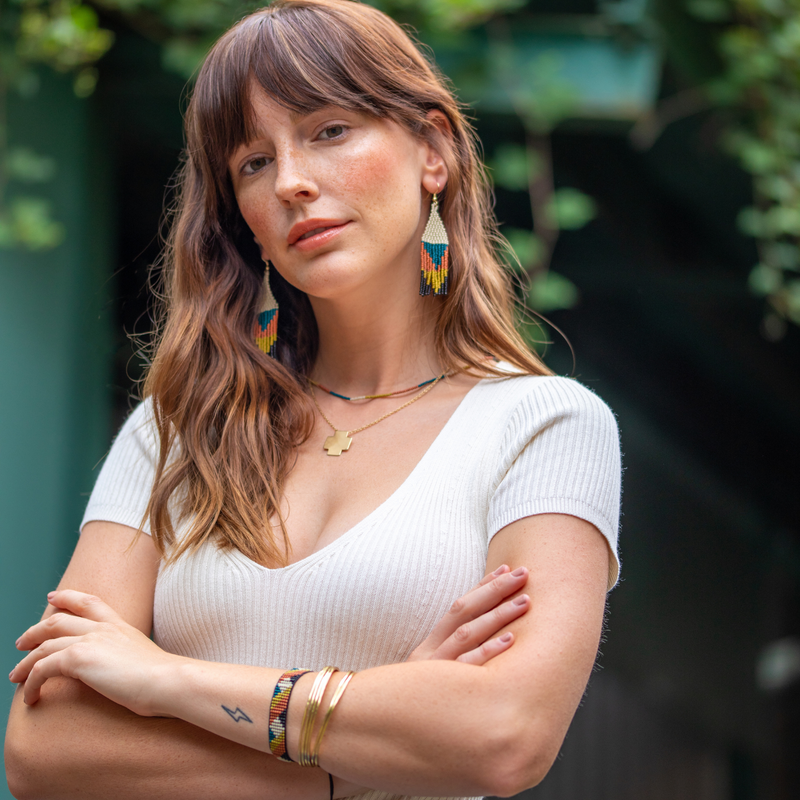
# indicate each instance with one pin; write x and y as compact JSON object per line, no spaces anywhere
{"x":428,"y":727}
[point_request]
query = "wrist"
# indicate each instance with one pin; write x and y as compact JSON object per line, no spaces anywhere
{"x":170,"y":681}
{"x":294,"y":714}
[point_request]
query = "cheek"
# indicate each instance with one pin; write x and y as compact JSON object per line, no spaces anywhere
{"x":259,"y":214}
{"x":384,"y":183}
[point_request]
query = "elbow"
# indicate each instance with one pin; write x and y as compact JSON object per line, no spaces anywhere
{"x":18,"y":769}
{"x":518,"y":757}
{"x":37,"y":757}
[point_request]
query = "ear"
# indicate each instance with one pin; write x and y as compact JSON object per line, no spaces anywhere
{"x":434,"y":175}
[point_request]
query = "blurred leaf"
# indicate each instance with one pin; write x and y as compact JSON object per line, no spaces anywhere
{"x":184,"y":56}
{"x":85,"y":82}
{"x":709,"y":10}
{"x":765,"y":280}
{"x":450,"y":14}
{"x":64,"y":35}
{"x":782,"y":220}
{"x":6,"y":232}
{"x":570,"y":209}
{"x":551,"y":292}
{"x":751,"y":222}
{"x":527,"y":247}
{"x":511,"y":166}
{"x":23,"y":164}
{"x":756,"y":156}
{"x":792,"y":295}
{"x":29,"y":224}
{"x":777,"y":187}
{"x":540,"y":94}
{"x":545,"y":97}
{"x":782,"y":255}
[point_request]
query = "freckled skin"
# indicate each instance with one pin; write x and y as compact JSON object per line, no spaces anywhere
{"x":339,"y":165}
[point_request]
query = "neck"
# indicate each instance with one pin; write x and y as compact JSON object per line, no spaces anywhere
{"x":374,"y":348}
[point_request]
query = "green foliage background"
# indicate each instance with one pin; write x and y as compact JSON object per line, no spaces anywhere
{"x":752,"y":76}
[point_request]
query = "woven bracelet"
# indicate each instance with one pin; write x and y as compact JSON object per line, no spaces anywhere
{"x":278,"y":707}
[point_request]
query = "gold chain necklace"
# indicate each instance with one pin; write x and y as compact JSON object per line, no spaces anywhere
{"x":340,"y":441}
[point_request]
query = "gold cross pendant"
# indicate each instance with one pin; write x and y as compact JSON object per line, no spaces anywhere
{"x":337,"y":443}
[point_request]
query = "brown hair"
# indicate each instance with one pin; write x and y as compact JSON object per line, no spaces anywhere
{"x":229,"y":417}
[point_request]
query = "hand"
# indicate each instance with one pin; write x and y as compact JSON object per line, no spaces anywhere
{"x":465,"y":632}
{"x":86,"y":639}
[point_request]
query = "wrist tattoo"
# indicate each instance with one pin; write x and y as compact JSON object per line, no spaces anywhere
{"x":238,"y":715}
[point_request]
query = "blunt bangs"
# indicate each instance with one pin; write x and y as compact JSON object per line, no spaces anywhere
{"x":306,"y":57}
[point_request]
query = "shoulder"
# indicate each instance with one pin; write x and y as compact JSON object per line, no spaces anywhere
{"x":533,"y":401}
{"x":139,"y":429}
{"x":137,"y":441}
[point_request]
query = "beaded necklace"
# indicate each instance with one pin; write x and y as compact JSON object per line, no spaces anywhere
{"x":340,"y":441}
{"x":374,"y":396}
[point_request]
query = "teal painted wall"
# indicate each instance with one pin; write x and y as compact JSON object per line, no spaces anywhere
{"x":55,"y":361}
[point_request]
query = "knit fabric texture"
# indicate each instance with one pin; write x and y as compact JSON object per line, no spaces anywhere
{"x":514,"y":447}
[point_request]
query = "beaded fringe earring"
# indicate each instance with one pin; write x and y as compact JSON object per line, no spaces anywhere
{"x":265,"y":329}
{"x":435,"y":254}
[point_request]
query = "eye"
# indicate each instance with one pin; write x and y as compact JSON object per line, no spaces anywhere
{"x":255,"y":165}
{"x":333,"y":132}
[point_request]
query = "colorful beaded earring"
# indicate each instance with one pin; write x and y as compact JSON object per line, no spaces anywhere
{"x":265,"y":329}
{"x":435,"y":254}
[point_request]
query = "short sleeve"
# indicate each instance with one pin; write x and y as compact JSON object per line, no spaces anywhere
{"x":123,"y":487}
{"x":560,"y":454}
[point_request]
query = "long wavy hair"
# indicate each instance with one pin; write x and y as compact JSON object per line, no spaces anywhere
{"x":228,"y":417}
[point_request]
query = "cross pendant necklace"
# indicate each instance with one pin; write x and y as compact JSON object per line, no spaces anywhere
{"x":335,"y":445}
{"x":340,"y":441}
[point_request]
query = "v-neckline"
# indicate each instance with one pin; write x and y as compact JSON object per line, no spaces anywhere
{"x":325,"y":551}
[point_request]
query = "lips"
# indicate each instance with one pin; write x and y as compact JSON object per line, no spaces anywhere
{"x":312,"y":228}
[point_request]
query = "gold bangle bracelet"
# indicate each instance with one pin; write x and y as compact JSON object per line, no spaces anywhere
{"x":337,"y":696}
{"x":310,"y":715}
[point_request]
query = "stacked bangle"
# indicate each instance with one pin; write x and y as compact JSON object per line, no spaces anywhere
{"x":308,"y":755}
{"x":278,"y":707}
{"x":337,"y":696}
{"x":305,"y":758}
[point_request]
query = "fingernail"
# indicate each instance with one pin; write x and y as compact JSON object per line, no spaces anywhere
{"x":50,"y":595}
{"x":518,"y":572}
{"x":505,"y":638}
{"x":501,"y":569}
{"x":521,"y":600}
{"x":16,"y":644}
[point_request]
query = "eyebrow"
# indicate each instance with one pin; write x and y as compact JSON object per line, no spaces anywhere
{"x":294,"y":116}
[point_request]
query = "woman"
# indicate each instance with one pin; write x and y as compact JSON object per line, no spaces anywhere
{"x":296,"y":525}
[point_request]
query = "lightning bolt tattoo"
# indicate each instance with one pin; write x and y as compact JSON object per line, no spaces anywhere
{"x":238,"y":715}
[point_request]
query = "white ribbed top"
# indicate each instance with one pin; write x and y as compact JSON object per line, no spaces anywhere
{"x":513,"y":448}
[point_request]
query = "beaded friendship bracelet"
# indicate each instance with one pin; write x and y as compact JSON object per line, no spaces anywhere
{"x":278,"y":707}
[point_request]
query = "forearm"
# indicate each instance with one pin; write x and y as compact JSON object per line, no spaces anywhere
{"x":77,"y":744}
{"x":423,"y":728}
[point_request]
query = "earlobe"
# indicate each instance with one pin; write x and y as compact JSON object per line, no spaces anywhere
{"x":264,"y":256}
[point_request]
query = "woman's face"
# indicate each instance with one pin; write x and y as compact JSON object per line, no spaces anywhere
{"x":335,"y":198}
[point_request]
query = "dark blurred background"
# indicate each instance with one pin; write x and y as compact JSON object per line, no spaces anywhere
{"x":646,"y":157}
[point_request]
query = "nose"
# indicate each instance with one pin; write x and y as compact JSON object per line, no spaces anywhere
{"x":294,"y":181}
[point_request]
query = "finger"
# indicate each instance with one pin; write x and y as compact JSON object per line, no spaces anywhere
{"x":52,"y":666}
{"x":22,"y":671}
{"x":55,"y":626}
{"x":474,"y":633}
{"x":491,"y":576}
{"x":480,"y":600}
{"x":83,"y":605}
{"x":488,"y":650}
